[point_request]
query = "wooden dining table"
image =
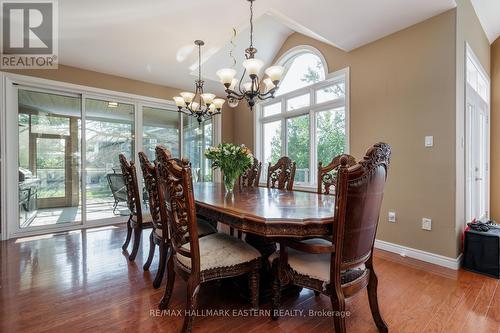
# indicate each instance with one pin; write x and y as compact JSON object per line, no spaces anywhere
{"x":266,"y":214}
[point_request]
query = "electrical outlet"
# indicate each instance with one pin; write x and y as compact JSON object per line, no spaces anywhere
{"x":391,"y":217}
{"x":426,"y":224}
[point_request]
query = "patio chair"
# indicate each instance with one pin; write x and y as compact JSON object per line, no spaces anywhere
{"x":118,"y":189}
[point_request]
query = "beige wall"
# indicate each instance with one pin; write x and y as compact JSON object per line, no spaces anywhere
{"x":495,"y":130}
{"x":121,"y":84}
{"x":402,"y":89}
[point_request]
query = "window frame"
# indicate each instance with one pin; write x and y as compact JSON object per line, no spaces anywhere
{"x":341,"y":75}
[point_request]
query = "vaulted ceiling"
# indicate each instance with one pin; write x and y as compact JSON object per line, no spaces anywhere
{"x":152,"y":40}
{"x":488,"y":12}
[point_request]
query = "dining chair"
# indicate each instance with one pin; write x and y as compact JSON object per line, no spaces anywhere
{"x":159,"y":234}
{"x":343,"y":268}
{"x":198,"y":260}
{"x":282,"y":174}
{"x":136,"y":221}
{"x":250,"y":178}
{"x":327,"y":175}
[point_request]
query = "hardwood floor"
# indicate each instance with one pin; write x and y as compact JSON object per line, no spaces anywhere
{"x":81,"y":281}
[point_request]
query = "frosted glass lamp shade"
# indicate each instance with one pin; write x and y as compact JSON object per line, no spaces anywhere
{"x":226,"y":76}
{"x":233,"y":84}
{"x":253,"y":66}
{"x":179,"y":101}
{"x":275,"y":73}
{"x":187,"y":96}
{"x":208,"y":98}
{"x":194,"y":106}
{"x":211,"y":108}
{"x":218,"y":102}
{"x":269,"y":84}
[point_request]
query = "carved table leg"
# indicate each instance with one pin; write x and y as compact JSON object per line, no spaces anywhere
{"x":266,"y":247}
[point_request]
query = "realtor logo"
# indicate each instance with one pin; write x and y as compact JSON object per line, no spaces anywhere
{"x":29,"y":34}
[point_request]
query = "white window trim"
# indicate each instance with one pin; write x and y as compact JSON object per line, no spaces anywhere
{"x":286,"y":58}
{"x":471,"y":91}
{"x":312,"y":110}
{"x":469,"y":54}
{"x":9,"y":158}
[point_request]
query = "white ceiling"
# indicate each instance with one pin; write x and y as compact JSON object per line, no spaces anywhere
{"x":488,"y":12}
{"x":152,"y":40}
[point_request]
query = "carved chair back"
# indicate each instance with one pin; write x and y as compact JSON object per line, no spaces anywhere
{"x":149,"y":175}
{"x":129,"y":173}
{"x":251,"y":177}
{"x":359,"y":194}
{"x":175,"y":184}
{"x":282,"y":174}
{"x":327,"y":176}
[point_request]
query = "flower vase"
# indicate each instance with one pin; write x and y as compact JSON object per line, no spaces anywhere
{"x":229,"y":181}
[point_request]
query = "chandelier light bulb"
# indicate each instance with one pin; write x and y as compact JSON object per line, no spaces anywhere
{"x":218,"y":102}
{"x":208,"y":98}
{"x":179,"y":101}
{"x":275,"y":73}
{"x":269,"y":84}
{"x":253,"y":66}
{"x":187,"y":96}
{"x":226,"y":76}
{"x":233,"y":84}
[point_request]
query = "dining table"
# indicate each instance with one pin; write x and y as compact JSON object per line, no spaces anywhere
{"x":265,"y":214}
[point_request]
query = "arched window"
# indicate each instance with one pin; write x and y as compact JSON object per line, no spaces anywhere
{"x":307,"y":120}
{"x":303,"y":69}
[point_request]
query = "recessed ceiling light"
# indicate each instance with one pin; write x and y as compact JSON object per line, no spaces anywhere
{"x":112,"y":104}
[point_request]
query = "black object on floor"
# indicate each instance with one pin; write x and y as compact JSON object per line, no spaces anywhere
{"x":482,"y":252}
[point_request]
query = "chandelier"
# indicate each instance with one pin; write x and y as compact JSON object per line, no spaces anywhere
{"x":254,"y":89}
{"x":199,"y":104}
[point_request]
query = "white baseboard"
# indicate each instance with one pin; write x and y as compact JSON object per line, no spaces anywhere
{"x":452,"y":263}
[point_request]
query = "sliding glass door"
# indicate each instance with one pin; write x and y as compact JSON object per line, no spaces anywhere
{"x":49,"y":167}
{"x":160,"y":126}
{"x":109,"y":131}
{"x":67,"y":160}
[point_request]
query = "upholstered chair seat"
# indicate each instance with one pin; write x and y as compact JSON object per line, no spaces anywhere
{"x":220,"y":250}
{"x":317,"y":266}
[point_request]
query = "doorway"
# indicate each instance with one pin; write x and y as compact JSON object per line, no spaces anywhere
{"x":477,"y":140}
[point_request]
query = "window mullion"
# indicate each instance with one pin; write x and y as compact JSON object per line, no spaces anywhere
{"x":284,"y":137}
{"x":312,"y":136}
{"x":312,"y":145}
{"x":284,"y":129}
